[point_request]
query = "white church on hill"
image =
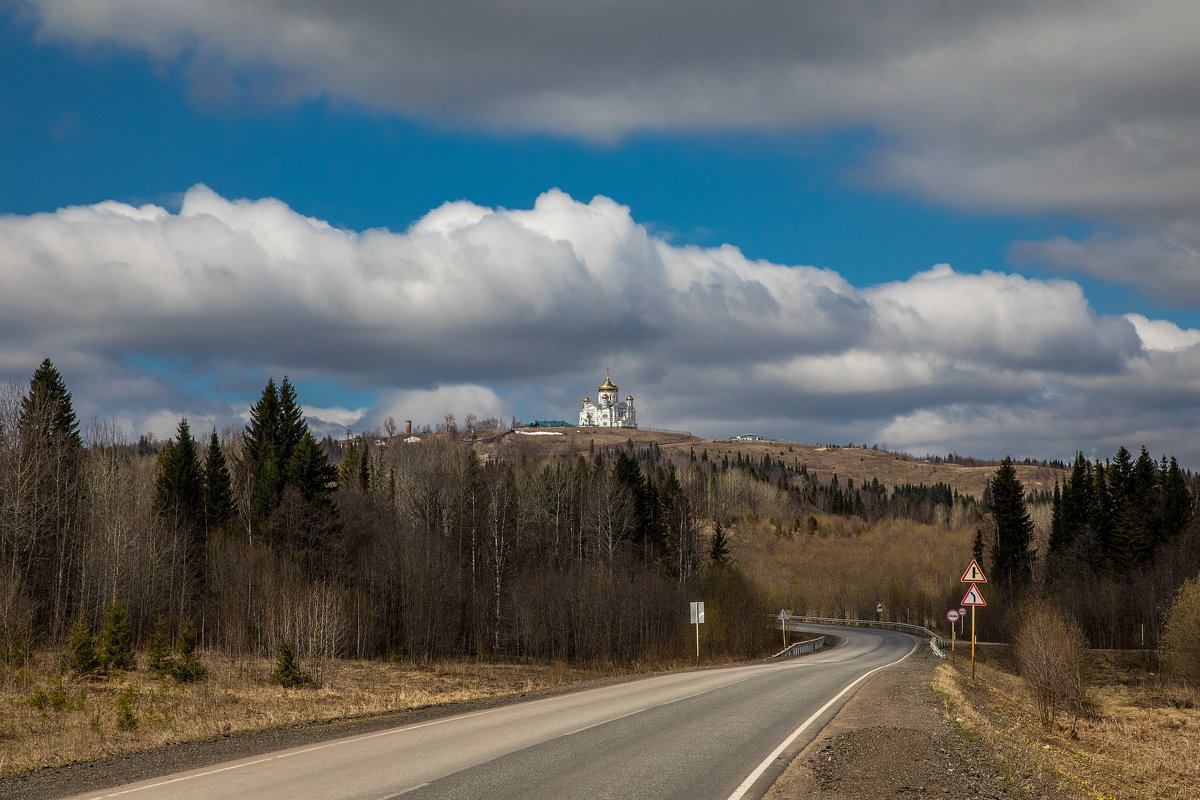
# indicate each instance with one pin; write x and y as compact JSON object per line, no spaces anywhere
{"x":606,"y":412}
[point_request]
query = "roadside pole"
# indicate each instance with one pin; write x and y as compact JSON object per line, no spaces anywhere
{"x":697,"y":619}
{"x":953,"y":616}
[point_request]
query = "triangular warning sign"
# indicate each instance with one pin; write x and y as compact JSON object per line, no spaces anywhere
{"x":973,"y":597}
{"x":973,"y":574}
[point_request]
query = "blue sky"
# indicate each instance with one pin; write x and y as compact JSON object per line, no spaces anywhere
{"x":739,"y":151}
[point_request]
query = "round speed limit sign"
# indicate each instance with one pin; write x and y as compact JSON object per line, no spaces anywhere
{"x":952,"y":615}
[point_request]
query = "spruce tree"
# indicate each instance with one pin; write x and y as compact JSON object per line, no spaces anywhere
{"x":116,"y":641}
{"x":179,"y":488}
{"x":50,"y":457}
{"x":310,"y":472}
{"x":364,"y":470}
{"x":1011,"y":559}
{"x":159,"y":660}
{"x":287,"y":669}
{"x":188,"y":667}
{"x":718,"y":548}
{"x":81,"y":655}
{"x":1177,"y":503}
{"x":349,"y":467}
{"x":47,"y":410}
{"x":292,"y":427}
{"x":218,"y":489}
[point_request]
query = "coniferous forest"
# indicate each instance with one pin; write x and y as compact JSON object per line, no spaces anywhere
{"x":265,"y":537}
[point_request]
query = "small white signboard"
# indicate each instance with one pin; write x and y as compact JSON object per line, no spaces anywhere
{"x":697,"y":613}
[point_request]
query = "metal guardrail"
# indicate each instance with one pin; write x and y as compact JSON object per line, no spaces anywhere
{"x":800,"y":648}
{"x":902,"y":627}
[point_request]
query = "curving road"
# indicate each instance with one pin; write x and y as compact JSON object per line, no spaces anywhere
{"x":719,"y":734}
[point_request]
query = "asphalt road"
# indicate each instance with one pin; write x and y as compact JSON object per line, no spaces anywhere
{"x":716,"y":734}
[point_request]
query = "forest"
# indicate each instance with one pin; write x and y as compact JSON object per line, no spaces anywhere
{"x":246,"y":540}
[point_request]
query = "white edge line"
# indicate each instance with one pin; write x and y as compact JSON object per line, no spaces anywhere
{"x":741,"y":790}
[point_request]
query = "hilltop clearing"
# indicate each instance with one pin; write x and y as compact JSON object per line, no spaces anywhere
{"x":860,"y":464}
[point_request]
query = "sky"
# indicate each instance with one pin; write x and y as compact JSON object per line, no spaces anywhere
{"x":938,"y":227}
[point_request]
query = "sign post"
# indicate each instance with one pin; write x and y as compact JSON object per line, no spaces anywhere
{"x":878,"y":612}
{"x":697,"y":619}
{"x":973,"y":598}
{"x":783,"y":618}
{"x":952,"y":615}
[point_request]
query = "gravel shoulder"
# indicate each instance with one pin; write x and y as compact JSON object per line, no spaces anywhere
{"x":893,"y":740}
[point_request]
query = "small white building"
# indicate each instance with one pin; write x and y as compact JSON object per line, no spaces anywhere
{"x":606,"y":412}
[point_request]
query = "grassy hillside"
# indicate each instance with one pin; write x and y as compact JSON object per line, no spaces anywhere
{"x":860,"y":464}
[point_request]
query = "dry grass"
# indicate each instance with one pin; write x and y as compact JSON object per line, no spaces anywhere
{"x":859,"y":463}
{"x":1142,"y":744}
{"x":862,"y":464}
{"x":47,"y":719}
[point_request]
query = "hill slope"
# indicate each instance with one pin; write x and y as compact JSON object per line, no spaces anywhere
{"x":857,"y":463}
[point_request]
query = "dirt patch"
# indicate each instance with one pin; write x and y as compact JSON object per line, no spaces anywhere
{"x":894,"y":740}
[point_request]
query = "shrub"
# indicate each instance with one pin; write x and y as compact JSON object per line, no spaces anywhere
{"x":1050,"y":654}
{"x":1181,"y":633}
{"x":126,"y":718}
{"x":287,"y":671}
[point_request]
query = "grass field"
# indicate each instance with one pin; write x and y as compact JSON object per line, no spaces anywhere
{"x":1142,"y":741}
{"x":48,"y":719}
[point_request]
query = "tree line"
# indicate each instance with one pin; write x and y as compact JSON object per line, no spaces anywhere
{"x":1122,"y":540}
{"x":268,"y":535}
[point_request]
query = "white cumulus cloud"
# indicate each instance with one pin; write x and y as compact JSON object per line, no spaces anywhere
{"x":496,"y":312}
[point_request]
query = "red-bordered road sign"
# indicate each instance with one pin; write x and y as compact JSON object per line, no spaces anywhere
{"x":952,"y":615}
{"x":973,"y":597}
{"x":973,"y":574}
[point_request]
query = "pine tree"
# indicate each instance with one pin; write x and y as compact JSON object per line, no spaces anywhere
{"x":218,"y":489}
{"x":116,"y":641}
{"x":1011,"y":559}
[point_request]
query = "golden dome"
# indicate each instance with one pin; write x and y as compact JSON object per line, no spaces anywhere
{"x":629,"y":398}
{"x":587,"y":400}
{"x":608,"y":385}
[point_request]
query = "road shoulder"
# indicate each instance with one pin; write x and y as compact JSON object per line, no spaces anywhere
{"x":892,"y":739}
